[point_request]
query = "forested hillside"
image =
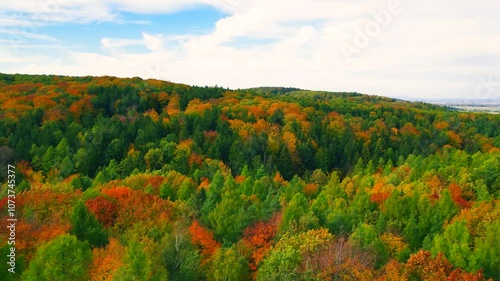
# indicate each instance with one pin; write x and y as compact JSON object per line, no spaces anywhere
{"x":132,"y":179}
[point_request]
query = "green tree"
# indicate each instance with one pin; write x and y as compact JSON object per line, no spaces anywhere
{"x":86,"y":227}
{"x":181,"y":258}
{"x":297,"y":207}
{"x":366,"y":237}
{"x":487,"y":251}
{"x":136,"y":264}
{"x":154,"y":159}
{"x":454,"y":243}
{"x":64,"y":258}
{"x":227,"y":265}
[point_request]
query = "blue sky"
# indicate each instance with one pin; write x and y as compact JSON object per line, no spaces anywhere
{"x":399,"y":48}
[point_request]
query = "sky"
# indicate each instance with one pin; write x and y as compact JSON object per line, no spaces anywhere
{"x":411,"y":49}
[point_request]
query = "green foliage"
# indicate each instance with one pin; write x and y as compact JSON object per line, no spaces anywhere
{"x":64,"y":258}
{"x":292,"y":214}
{"x":181,"y":259}
{"x":86,"y":227}
{"x":393,"y":176}
{"x":227,"y":265}
{"x":365,"y":237}
{"x":454,"y":243}
{"x":283,"y":262}
{"x":136,"y":264}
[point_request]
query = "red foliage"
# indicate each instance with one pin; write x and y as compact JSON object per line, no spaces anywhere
{"x":456,"y":195}
{"x":380,"y":192}
{"x":104,"y":209}
{"x":203,"y":239}
{"x":155,"y":181}
{"x":259,"y":237}
{"x":379,"y":197}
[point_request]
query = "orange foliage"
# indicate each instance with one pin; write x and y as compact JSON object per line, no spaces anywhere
{"x":43,"y":102}
{"x":290,"y":142}
{"x":173,"y":107}
{"x":239,"y":178}
{"x":31,"y":176}
{"x":152,"y":114}
{"x":195,"y":160}
{"x":259,"y":237}
{"x":279,"y":179}
{"x":205,"y":182}
{"x":44,"y":215}
{"x":106,"y":261}
{"x":422,"y":266}
{"x":435,"y":185}
{"x":256,"y":111}
{"x":478,"y":217}
{"x":196,"y":106}
{"x":409,"y":129}
{"x":260,"y":126}
{"x":456,"y":195}
{"x":442,"y":125}
{"x":155,"y":181}
{"x":454,"y":139}
{"x":203,"y":239}
{"x":380,"y":192}
{"x":311,"y":189}
{"x":185,"y":144}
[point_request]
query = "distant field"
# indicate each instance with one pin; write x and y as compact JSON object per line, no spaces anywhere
{"x":471,"y":105}
{"x":485,"y":109}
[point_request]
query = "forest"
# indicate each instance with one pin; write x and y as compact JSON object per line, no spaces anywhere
{"x":133,"y":179}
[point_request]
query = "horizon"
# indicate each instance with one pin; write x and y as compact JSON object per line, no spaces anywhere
{"x":433,"y":100}
{"x":394,"y":48}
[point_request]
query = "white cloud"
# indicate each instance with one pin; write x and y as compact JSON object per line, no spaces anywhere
{"x":421,"y":52}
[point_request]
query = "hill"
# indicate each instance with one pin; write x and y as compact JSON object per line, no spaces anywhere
{"x":153,"y":180}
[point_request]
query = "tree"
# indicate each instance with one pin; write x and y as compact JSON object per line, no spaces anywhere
{"x":454,"y":244}
{"x":64,"y":258}
{"x":181,"y":258}
{"x":283,"y":261}
{"x":135,"y":265}
{"x":106,"y":261}
{"x":230,"y":217}
{"x":227,"y":265}
{"x":154,"y":159}
{"x":204,"y":239}
{"x":86,"y":227}
{"x":366,"y":238}
{"x":293,"y":212}
{"x":104,"y":209}
{"x":258,"y":237}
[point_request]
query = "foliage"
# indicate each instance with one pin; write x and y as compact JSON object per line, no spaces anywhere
{"x":156,"y":180}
